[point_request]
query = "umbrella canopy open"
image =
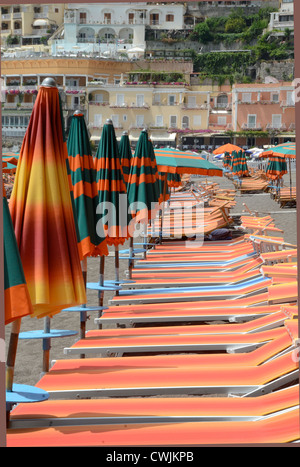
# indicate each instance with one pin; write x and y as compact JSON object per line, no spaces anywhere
{"x":42,"y":211}
{"x":287,"y":150}
{"x":181,"y":162}
{"x":227,"y":148}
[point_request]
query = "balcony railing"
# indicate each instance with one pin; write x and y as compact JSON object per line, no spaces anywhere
{"x":251,"y":126}
{"x":280,"y":126}
{"x":287,"y":104}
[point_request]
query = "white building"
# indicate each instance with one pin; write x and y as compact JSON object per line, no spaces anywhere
{"x":283,"y":18}
{"x":113,"y":29}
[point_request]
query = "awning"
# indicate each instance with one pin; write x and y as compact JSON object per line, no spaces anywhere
{"x":163,"y":137}
{"x":41,"y":22}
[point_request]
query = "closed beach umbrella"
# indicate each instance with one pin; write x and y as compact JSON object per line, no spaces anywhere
{"x":112,"y":197}
{"x":17,"y":305}
{"x":286,"y":151}
{"x":227,"y":159}
{"x":174,"y":180}
{"x":42,"y":211}
{"x":144,"y":190}
{"x":277,"y":167}
{"x":125,"y":155}
{"x":83,"y":176}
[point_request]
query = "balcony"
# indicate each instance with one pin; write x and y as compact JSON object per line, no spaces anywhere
{"x":26,"y":105}
{"x":276,"y":127}
{"x":288,"y":103}
{"x":104,"y":103}
{"x":195,"y":107}
{"x":10,"y":105}
{"x":252,"y":126}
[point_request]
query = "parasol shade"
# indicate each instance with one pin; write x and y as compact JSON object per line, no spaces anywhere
{"x":287,"y":150}
{"x":83,"y":176}
{"x":227,"y":148}
{"x":125,"y":155}
{"x":180,"y":162}
{"x":42,"y":211}
{"x":112,"y":192}
{"x":16,"y":296}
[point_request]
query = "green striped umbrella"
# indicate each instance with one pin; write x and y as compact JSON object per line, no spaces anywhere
{"x":144,"y":191}
{"x":174,"y":180}
{"x":277,"y":167}
{"x":125,"y":155}
{"x":183,"y":162}
{"x":112,"y":195}
{"x":227,"y":160}
{"x":83,"y":176}
{"x":286,"y":151}
{"x":17,"y":304}
{"x":239,"y":164}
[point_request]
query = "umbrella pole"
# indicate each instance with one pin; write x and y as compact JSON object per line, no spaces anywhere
{"x":290,"y":178}
{"x":131,"y":254}
{"x":145,"y":240}
{"x":101,"y":283}
{"x":83,"y":314}
{"x":11,"y":359}
{"x":117,"y":267}
{"x":46,"y":345}
{"x":161,"y":212}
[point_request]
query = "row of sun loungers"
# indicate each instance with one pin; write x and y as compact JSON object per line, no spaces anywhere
{"x":218,"y":320}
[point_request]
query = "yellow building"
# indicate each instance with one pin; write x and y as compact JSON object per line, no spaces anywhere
{"x":29,"y":24}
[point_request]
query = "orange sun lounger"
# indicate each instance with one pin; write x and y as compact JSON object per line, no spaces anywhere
{"x":148,"y":410}
{"x":279,"y":428}
{"x":111,"y":342}
{"x":125,"y":376}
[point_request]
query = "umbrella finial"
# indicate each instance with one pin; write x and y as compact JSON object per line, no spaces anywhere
{"x":109,"y":121}
{"x":125,"y":133}
{"x":49,"y":82}
{"x":77,"y":112}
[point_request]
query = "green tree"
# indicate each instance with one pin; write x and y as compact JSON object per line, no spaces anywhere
{"x":235,"y":25}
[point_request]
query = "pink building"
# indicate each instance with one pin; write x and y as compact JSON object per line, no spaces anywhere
{"x":267,"y":108}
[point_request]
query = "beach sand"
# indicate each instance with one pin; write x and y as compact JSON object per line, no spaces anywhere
{"x":29,"y":359}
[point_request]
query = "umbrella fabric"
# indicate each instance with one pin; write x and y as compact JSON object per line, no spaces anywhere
{"x":239,"y":164}
{"x":227,"y":160}
{"x":174,"y":180}
{"x":125,"y":155}
{"x":227,"y":148}
{"x":16,"y":296}
{"x":83,"y":176}
{"x":287,"y":150}
{"x":143,"y":186}
{"x":163,"y":193}
{"x":180,"y":162}
{"x":112,"y":192}
{"x":277,"y":167}
{"x":42,"y":212}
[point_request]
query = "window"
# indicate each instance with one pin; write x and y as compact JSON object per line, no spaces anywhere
{"x":290,"y":98}
{"x":98,"y":98}
{"x":140,"y":121}
{"x":173,"y":121}
{"x":120,"y":100}
{"x":130,"y":18}
{"x":276,"y":121}
{"x":171,"y":100}
{"x":275,"y":97}
{"x":222,"y":100}
{"x":154,"y":19}
{"x":156,"y":99}
{"x":191,"y":102}
{"x":82,"y":18}
{"x":197,"y":120}
{"x":251,"y":121}
{"x":185,"y":122}
{"x":140,"y":100}
{"x":246,"y":97}
{"x":97,"y":120}
{"x":170,"y":18}
{"x":107,"y":18}
{"x":159,"y":121}
{"x":115,"y":120}
{"x":221,"y":120}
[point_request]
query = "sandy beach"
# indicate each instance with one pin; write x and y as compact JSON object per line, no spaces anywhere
{"x":30,"y":355}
